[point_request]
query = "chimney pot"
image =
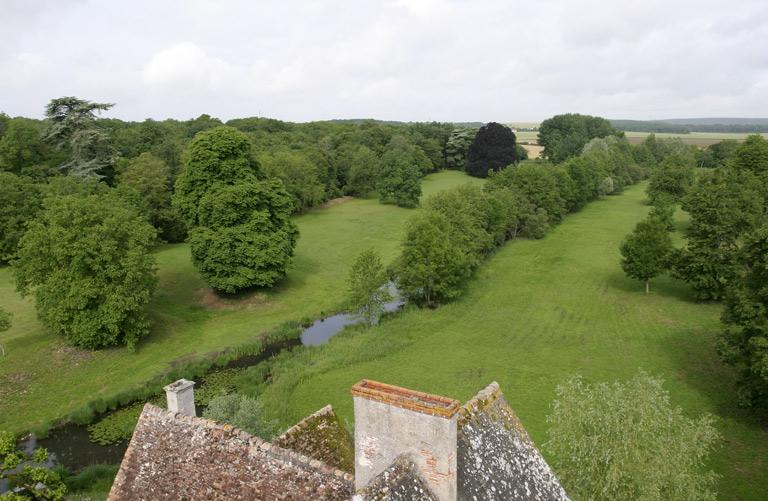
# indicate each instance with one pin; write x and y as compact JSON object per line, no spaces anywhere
{"x":181,"y":397}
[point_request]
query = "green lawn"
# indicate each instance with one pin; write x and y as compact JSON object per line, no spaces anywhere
{"x":43,"y":379}
{"x":534,"y":314}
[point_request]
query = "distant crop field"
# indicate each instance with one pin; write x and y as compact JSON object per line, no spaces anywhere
{"x":534,"y":150}
{"x":527,"y":136}
{"x":700,"y":139}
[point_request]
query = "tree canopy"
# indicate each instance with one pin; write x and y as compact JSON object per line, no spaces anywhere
{"x":367,"y":290}
{"x":492,"y":150}
{"x":87,"y":262}
{"x":564,"y":136}
{"x":625,"y":440}
{"x":645,"y":252}
{"x":241,"y":234}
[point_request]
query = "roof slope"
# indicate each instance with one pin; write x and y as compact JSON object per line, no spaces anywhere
{"x":172,"y":456}
{"x":321,"y":436}
{"x":496,"y":457}
{"x":400,"y":482}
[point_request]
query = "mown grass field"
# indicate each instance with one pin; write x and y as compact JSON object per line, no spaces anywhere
{"x":536,"y":313}
{"x":43,"y":379}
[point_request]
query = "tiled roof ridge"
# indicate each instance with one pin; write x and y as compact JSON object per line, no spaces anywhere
{"x":406,"y":398}
{"x":305,"y":422}
{"x":481,"y":400}
{"x":250,"y":440}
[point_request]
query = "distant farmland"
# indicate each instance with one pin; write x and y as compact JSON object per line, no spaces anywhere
{"x":700,"y":139}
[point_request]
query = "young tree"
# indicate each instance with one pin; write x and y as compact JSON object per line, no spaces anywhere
{"x":492,"y":150}
{"x":744,"y":341}
{"x":33,"y":480}
{"x":645,"y":252}
{"x":664,"y":210}
{"x":627,"y":441}
{"x":87,"y":262}
{"x":21,"y":200}
{"x":367,"y":290}
{"x":72,"y":125}
{"x":241,"y":233}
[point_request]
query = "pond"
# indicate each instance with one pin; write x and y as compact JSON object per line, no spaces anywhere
{"x":71,"y":447}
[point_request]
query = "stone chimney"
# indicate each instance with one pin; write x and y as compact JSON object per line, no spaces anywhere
{"x":390,"y":421}
{"x":181,"y":397}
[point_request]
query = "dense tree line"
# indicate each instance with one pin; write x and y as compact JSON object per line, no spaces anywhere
{"x":459,"y":228}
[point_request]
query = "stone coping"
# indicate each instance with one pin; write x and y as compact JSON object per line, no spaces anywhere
{"x":425,"y":403}
{"x":177,"y":386}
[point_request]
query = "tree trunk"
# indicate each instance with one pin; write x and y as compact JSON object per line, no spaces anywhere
{"x":647,"y":286}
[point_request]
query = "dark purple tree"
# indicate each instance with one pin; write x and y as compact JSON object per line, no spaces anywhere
{"x":492,"y":150}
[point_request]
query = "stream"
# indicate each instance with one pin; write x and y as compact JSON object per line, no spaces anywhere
{"x":70,"y":445}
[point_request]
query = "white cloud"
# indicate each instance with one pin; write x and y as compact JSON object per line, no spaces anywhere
{"x":399,"y":59}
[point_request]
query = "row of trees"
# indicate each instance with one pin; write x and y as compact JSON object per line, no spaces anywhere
{"x":724,"y":256}
{"x":458,"y":228}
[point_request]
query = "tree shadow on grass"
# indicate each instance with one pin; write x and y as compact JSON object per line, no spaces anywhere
{"x":664,"y":286}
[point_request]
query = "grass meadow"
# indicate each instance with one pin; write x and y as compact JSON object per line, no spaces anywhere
{"x":538,"y":312}
{"x":43,"y":379}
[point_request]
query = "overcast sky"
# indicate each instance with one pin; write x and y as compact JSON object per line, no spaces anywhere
{"x":448,"y":60}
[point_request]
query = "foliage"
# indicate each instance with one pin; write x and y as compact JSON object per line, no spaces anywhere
{"x":564,"y":136}
{"x":300,"y":176}
{"x":399,"y":178}
{"x":432,"y":268}
{"x":21,"y":147}
{"x":21,"y":200}
{"x":368,"y":292}
{"x":664,"y":211}
{"x":457,"y":147}
{"x":5,"y":320}
{"x":752,"y":155}
{"x":116,"y":426}
{"x":492,"y":150}
{"x":363,"y":172}
{"x":627,"y":441}
{"x":645,"y":252}
{"x":242,"y":412}
{"x":91,"y":483}
{"x":744,"y":341}
{"x":87,"y":262}
{"x":241,"y":234}
{"x":672,"y":178}
{"x":724,"y":206}
{"x":150,"y":177}
{"x":537,"y":181}
{"x":72,"y":125}
{"x":33,"y":480}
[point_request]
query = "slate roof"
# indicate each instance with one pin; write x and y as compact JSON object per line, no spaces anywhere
{"x":173,"y":456}
{"x":400,"y":482}
{"x":496,"y":457}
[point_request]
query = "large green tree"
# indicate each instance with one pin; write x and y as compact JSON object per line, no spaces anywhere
{"x":72,"y":125}
{"x":432,"y":268}
{"x":744,"y":341}
{"x":367,"y":286}
{"x":672,"y":179}
{"x":241,"y":234}
{"x":87,"y":262}
{"x":457,"y":147}
{"x":645,"y":252}
{"x":21,"y":200}
{"x":21,"y":146}
{"x":724,"y":206}
{"x":399,"y":179}
{"x":564,"y":136}
{"x":626,"y":440}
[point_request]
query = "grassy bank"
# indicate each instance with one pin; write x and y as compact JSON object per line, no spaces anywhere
{"x":536,"y":313}
{"x":43,"y":379}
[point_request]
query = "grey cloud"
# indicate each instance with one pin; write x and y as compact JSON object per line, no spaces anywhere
{"x":406,"y":59}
